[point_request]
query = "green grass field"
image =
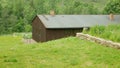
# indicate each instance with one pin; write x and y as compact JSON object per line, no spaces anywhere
{"x":63,"y":53}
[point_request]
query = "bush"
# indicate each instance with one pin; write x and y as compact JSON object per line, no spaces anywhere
{"x":28,"y":28}
{"x":97,"y":30}
{"x":10,"y":60}
{"x":113,"y":6}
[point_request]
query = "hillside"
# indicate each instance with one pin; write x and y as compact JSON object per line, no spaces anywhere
{"x":63,"y":53}
{"x":16,"y":16}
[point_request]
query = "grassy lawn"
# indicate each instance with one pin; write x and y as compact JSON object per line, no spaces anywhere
{"x":64,"y":53}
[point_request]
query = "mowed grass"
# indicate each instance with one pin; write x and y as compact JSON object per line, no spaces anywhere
{"x":63,"y":53}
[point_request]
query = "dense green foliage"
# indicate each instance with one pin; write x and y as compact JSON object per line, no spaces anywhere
{"x":110,"y":32}
{"x":113,"y":6}
{"x":17,"y":15}
{"x":64,"y":53}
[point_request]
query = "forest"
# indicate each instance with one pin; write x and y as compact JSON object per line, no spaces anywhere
{"x":17,"y":15}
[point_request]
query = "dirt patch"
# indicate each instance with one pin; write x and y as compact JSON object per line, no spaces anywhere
{"x":29,"y":41}
{"x":88,"y":63}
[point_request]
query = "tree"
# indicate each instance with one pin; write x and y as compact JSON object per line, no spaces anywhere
{"x":17,"y":15}
{"x":78,"y":7}
{"x":113,"y":6}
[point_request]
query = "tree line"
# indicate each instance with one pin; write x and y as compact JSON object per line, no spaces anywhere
{"x":17,"y":15}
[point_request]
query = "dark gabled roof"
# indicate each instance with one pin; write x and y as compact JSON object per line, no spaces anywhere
{"x":77,"y":21}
